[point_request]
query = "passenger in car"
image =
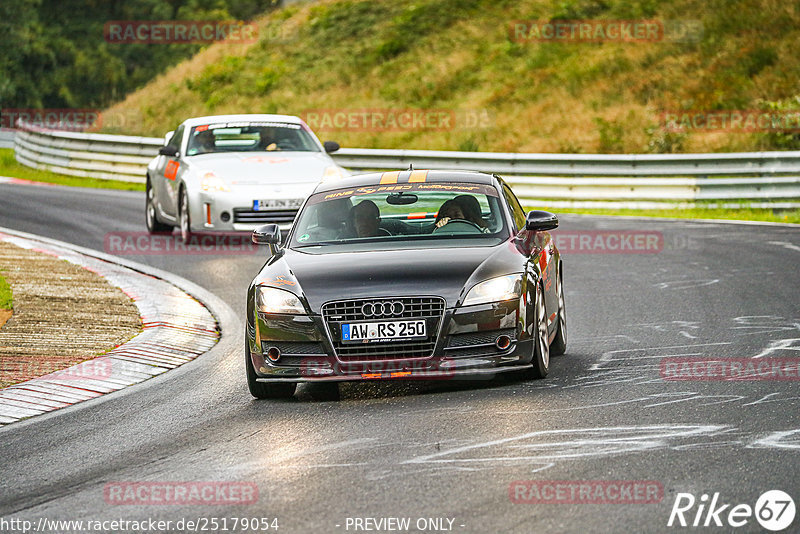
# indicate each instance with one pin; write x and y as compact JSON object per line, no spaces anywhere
{"x":366,"y":218}
{"x":332,"y":218}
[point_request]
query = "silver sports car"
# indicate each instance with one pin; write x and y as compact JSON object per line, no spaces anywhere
{"x":235,"y":173}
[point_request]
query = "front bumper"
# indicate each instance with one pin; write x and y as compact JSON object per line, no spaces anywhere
{"x":234,"y":211}
{"x":466,"y":348}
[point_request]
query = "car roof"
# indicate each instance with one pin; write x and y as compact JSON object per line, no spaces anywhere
{"x":402,"y":177}
{"x":195,"y":121}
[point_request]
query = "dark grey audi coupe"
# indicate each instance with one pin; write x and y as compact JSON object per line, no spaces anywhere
{"x":405,"y":275}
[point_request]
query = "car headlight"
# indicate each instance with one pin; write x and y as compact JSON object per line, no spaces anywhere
{"x":494,"y":290}
{"x":332,"y":173}
{"x":212,"y":182}
{"x":272,"y":300}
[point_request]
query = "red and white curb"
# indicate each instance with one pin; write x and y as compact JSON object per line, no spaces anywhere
{"x":177,"y":328}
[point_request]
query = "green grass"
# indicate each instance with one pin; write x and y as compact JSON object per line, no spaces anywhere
{"x":11,"y":168}
{"x":768,"y":215}
{"x":6,"y":297}
{"x":505,"y":95}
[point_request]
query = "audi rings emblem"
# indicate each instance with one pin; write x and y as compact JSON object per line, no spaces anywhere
{"x":383,"y":308}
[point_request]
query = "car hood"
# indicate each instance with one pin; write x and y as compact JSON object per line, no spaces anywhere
{"x":445,"y":272}
{"x":263,"y":168}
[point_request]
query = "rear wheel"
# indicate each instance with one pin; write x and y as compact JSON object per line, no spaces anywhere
{"x":541,"y":348}
{"x":185,"y":220}
{"x":559,"y":345}
{"x":154,"y":226}
{"x":261,"y":390}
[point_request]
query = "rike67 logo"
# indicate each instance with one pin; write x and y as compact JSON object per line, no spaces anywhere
{"x":774,"y":511}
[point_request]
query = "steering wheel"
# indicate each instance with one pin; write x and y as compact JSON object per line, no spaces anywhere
{"x":455,"y":225}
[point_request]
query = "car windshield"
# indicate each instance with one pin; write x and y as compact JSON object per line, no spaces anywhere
{"x":401,"y":216}
{"x":250,"y":137}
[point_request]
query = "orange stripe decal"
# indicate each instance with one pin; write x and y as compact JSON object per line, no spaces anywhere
{"x":389,"y":177}
{"x":418,"y":177}
{"x":417,"y":215}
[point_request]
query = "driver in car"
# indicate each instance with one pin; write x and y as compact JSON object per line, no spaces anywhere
{"x":451,"y":209}
{"x":268,"y":140}
{"x":205,"y":142}
{"x":366,"y":216}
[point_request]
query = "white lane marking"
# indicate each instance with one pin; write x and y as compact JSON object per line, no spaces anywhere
{"x":769,"y":398}
{"x":779,"y":345}
{"x":686,"y":284}
{"x":650,"y":353}
{"x":572,"y":443}
{"x":786,"y":245}
{"x":785,"y":439}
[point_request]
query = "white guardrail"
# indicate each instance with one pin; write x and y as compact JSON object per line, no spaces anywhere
{"x":557,"y":180}
{"x":7,"y":138}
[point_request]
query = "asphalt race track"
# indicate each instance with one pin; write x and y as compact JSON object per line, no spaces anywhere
{"x":449,"y":450}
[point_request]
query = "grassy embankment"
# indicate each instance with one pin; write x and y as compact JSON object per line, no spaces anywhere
{"x":504,"y":95}
{"x":11,"y":168}
{"x":6,"y":301}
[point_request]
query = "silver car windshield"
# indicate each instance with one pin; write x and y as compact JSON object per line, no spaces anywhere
{"x":250,"y":137}
{"x":402,"y":214}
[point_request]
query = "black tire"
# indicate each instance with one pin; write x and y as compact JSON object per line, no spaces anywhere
{"x":184,"y":216}
{"x":154,"y":226}
{"x":541,"y":348}
{"x":261,"y":390}
{"x":559,"y":344}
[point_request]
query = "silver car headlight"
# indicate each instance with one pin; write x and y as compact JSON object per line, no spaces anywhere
{"x":273,"y":300}
{"x":212,"y":182}
{"x":332,"y":172}
{"x":494,"y":290}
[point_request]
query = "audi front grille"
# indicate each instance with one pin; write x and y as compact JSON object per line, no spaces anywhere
{"x":384,"y":309}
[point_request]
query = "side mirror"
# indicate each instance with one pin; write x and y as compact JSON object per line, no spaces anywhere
{"x":539,"y":221}
{"x":331,"y":146}
{"x":170,"y":151}
{"x":269,"y":234}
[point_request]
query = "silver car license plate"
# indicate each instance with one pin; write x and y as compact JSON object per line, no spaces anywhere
{"x":277,"y":203}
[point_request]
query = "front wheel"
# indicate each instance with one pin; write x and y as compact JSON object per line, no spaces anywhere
{"x":185,"y":219}
{"x":541,"y":348}
{"x":154,"y":226}
{"x":559,"y":345}
{"x":261,"y":390}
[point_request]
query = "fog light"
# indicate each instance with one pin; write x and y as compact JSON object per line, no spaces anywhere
{"x":273,"y":354}
{"x":502,"y":342}
{"x":225,"y":216}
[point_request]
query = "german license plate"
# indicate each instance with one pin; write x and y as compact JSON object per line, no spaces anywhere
{"x":383,"y":331}
{"x":276,"y":203}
